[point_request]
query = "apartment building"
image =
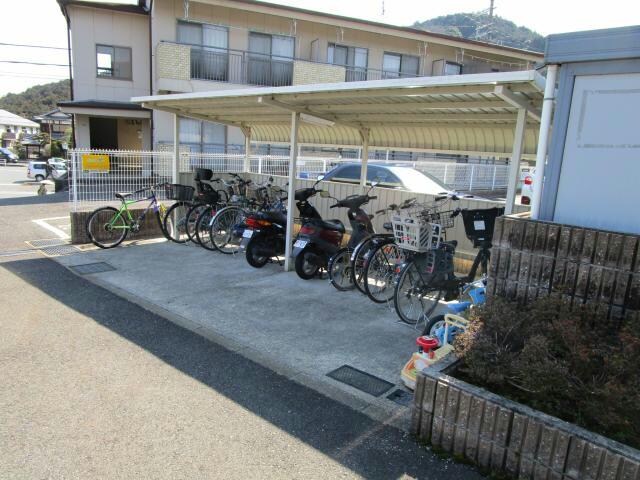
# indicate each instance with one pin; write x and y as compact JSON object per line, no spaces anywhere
{"x":176,"y":46}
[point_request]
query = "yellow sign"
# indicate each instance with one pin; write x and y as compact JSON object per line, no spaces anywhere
{"x":95,"y":162}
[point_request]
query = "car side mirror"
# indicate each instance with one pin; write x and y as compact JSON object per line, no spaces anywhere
{"x":320,"y":178}
{"x":374,"y":183}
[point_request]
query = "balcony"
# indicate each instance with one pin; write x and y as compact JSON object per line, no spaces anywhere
{"x":178,"y":64}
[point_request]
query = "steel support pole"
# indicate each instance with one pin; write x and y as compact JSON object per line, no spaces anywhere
{"x":247,"y":150}
{"x":365,"y":156}
{"x":514,"y":166}
{"x":291,"y":203}
{"x":175,"y":166}
{"x":543,"y":139}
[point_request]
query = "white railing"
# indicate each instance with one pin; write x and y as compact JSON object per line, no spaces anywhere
{"x":128,"y":171}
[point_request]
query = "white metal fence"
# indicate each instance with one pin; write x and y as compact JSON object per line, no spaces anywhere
{"x":96,"y":175}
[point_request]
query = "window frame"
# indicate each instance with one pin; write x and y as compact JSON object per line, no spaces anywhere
{"x":402,"y":56}
{"x":112,"y":77}
{"x":200,"y":145}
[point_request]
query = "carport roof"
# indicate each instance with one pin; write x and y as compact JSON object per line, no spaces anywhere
{"x":464,"y":114}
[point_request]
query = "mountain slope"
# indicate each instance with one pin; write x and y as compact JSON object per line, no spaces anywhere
{"x":479,"y":26}
{"x":36,"y":100}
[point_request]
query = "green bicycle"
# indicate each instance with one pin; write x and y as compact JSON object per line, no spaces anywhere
{"x":107,"y":227}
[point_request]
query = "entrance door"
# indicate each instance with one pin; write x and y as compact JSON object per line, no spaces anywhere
{"x":103,"y":133}
{"x":601,"y":163}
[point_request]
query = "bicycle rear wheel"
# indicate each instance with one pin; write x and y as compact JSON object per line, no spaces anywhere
{"x":413,"y":298}
{"x":380,"y":271}
{"x":225,"y":231}
{"x":192,"y":218}
{"x":174,"y":223}
{"x":358,"y":262}
{"x":106,"y":228}
{"x":203,"y":225}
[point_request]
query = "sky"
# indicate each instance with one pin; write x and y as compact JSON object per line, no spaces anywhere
{"x":40,"y":22}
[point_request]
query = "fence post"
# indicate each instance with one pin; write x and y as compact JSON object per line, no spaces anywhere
{"x":444,"y":180}
{"x":324,"y":165}
{"x":74,"y":179}
{"x":493,"y":181}
{"x":259,"y":164}
{"x":471,"y":177}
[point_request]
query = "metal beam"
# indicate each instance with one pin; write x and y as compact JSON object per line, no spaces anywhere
{"x":206,"y":118}
{"x":403,"y":91}
{"x":291,"y":203}
{"x":514,"y":165}
{"x":293,"y":108}
{"x":176,"y":149}
{"x":517,"y":101}
{"x":414,"y":106}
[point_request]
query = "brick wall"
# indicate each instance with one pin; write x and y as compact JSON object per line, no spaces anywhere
{"x":307,"y":72}
{"x":504,"y":436}
{"x":148,"y":229}
{"x":173,"y":61}
{"x":530,"y":259}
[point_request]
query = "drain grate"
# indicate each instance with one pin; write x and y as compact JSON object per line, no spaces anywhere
{"x":51,"y":242}
{"x":401,"y":397}
{"x":361,"y":380}
{"x":59,"y":250}
{"x":88,"y":268}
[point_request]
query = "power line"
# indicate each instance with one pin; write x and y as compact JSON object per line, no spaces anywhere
{"x":31,"y":46}
{"x":36,"y":63}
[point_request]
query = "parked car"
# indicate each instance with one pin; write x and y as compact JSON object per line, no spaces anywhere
{"x":527,"y":188}
{"x":8,"y":156}
{"x":37,"y":170}
{"x":388,"y":176}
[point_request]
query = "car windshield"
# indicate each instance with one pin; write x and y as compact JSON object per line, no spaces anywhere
{"x":418,"y":181}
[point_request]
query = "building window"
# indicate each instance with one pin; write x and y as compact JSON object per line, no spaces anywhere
{"x":270,"y":59}
{"x":355,"y":60}
{"x":396,"y":65}
{"x":209,"y":50}
{"x":446,"y":67}
{"x":113,"y":62}
{"x":203,"y":137}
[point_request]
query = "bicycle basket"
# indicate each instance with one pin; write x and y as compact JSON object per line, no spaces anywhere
{"x":182,"y":193}
{"x":479,"y":223}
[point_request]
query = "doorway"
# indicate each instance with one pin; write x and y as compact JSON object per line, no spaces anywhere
{"x":103,"y":133}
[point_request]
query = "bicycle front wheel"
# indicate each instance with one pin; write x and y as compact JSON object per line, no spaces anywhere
{"x":174,"y":223}
{"x":380,"y":271}
{"x":106,"y":228}
{"x":340,"y":270}
{"x":226,"y":229}
{"x":192,"y":219}
{"x":358,"y":262}
{"x":413,"y":298}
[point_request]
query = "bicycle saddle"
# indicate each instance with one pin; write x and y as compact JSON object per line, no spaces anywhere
{"x":123,"y":195}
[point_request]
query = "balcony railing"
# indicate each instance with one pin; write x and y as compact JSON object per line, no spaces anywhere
{"x":197,"y":62}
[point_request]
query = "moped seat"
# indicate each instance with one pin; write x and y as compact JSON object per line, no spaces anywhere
{"x":333,"y":224}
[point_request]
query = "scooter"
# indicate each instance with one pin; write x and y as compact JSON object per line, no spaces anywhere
{"x":316,"y":241}
{"x":265,"y":232}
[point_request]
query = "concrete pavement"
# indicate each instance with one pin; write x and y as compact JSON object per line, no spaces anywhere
{"x":302,"y":329}
{"x":94,"y":386}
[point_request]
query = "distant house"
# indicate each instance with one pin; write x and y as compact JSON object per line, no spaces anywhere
{"x":55,"y":123}
{"x":12,"y":125}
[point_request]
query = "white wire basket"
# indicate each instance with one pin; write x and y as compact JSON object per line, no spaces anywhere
{"x":419,"y":230}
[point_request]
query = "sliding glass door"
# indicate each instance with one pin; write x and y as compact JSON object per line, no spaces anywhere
{"x":209,"y":50}
{"x":270,"y":59}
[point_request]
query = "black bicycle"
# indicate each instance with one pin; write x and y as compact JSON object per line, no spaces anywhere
{"x":428,"y":277}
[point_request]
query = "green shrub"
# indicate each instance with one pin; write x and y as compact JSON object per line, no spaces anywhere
{"x":572,"y":363}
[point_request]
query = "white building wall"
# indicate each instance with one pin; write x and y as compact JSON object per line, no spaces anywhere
{"x":92,"y":26}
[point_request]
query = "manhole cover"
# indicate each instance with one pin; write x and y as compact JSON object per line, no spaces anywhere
{"x":87,"y":268}
{"x":363,"y":381}
{"x":59,"y":250}
{"x":51,"y":242}
{"x":401,"y":397}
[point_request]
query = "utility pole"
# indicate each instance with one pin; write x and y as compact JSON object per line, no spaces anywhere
{"x":491,"y":10}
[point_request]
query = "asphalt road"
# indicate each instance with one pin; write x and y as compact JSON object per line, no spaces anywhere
{"x":93,"y":386}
